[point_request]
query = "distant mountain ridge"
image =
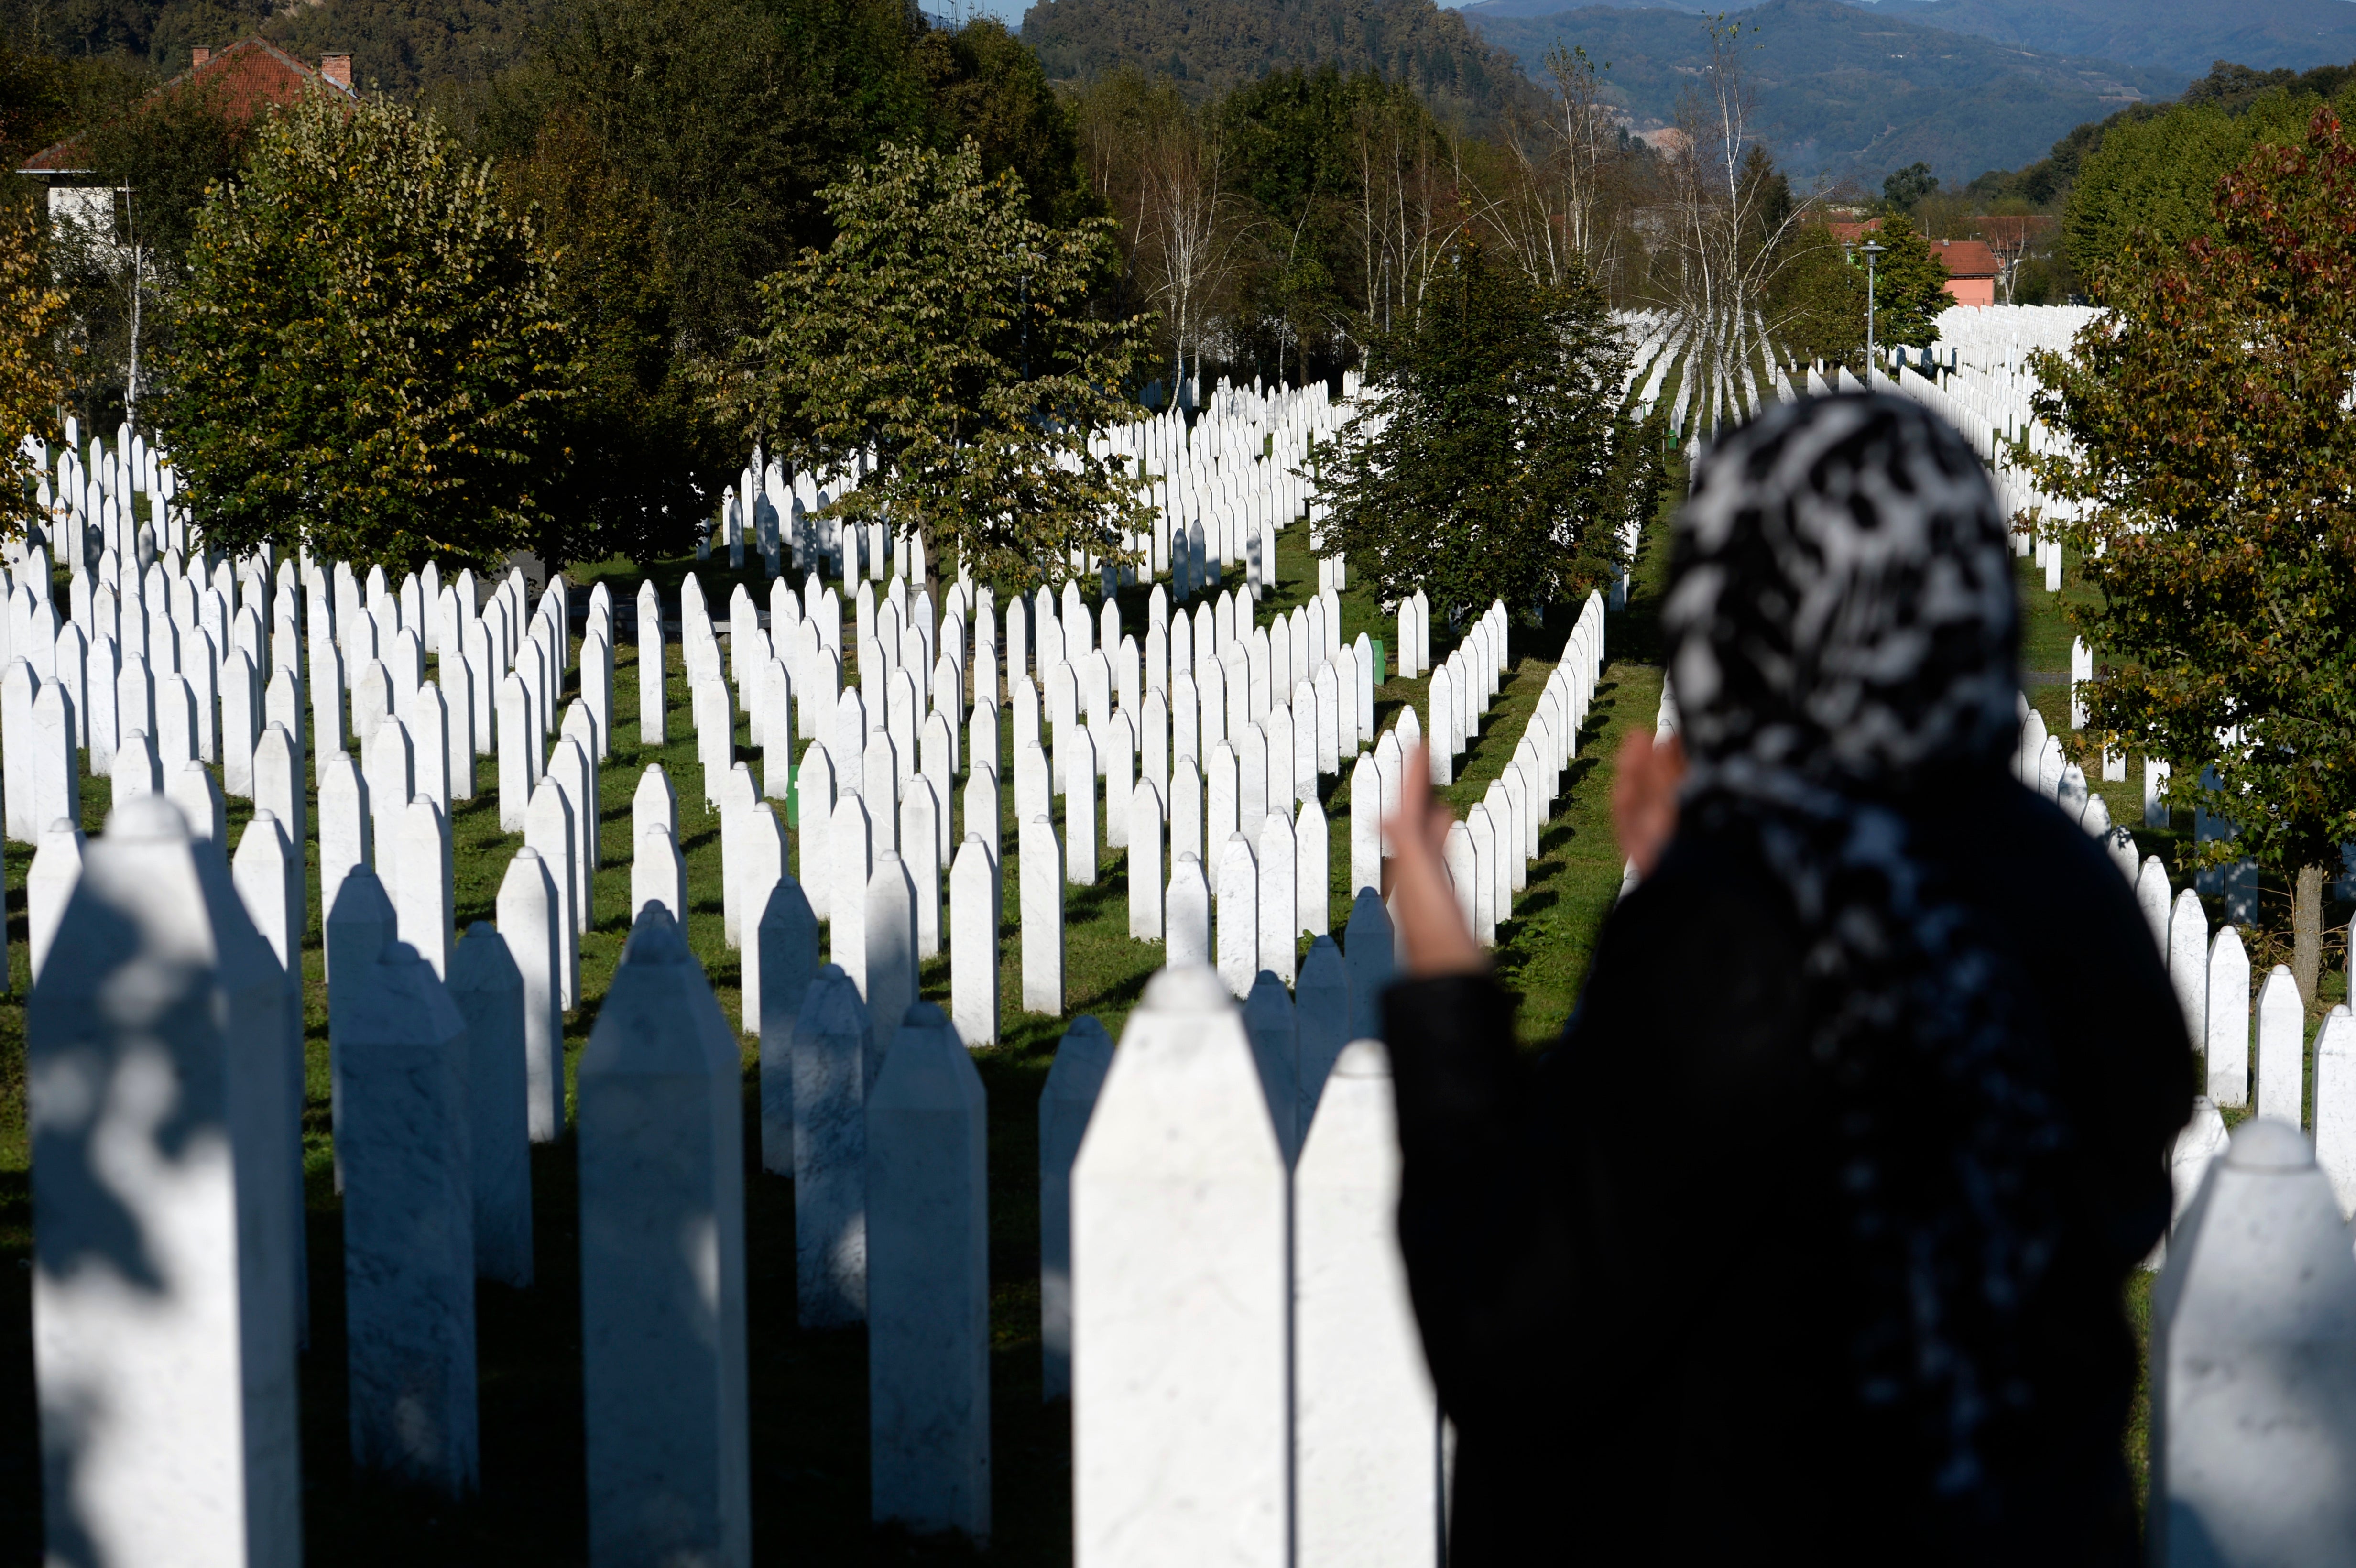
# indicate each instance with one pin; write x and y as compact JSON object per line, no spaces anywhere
{"x":1845,"y":90}
{"x":1213,"y":45}
{"x":2181,"y":35}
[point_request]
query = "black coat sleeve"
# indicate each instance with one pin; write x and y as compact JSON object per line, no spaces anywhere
{"x":1556,"y":1215}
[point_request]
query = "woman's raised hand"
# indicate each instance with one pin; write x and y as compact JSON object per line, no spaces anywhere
{"x":1423,"y":900}
{"x":1645,"y":797}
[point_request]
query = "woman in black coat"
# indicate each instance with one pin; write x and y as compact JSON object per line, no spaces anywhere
{"x":1807,"y":1241}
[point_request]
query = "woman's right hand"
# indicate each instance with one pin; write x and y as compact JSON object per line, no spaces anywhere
{"x":1423,"y":899}
{"x":1645,"y":797}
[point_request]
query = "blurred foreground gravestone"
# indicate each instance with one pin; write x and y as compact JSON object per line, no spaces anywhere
{"x":2253,"y":1366}
{"x":164,"y":1349}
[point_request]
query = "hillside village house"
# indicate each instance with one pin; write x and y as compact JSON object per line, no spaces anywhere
{"x":250,"y":75}
{"x":1972,"y":267}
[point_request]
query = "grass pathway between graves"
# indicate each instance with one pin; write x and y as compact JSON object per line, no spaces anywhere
{"x":808,"y":1390}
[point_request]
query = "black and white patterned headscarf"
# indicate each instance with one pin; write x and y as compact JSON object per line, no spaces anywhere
{"x":1842,"y":619}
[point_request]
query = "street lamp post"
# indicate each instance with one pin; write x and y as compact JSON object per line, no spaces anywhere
{"x":1873,"y":249}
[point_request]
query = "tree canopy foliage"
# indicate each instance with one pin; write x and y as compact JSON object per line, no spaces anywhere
{"x":367,"y":357}
{"x":1910,"y":287}
{"x":946,"y":333}
{"x":2158,"y":174}
{"x":30,"y":385}
{"x":2210,"y":415}
{"x":1491,"y":461}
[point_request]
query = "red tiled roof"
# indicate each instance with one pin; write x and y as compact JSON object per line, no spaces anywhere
{"x":1965,"y":257}
{"x":250,"y":75}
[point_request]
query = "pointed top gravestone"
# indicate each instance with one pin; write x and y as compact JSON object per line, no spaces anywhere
{"x":1366,"y":1436}
{"x":1368,"y":955}
{"x":830,"y":1068}
{"x":409,"y":1251}
{"x":162,"y":1249}
{"x":1179,"y":1295}
{"x":1082,"y":1058}
{"x":928,"y":1283}
{"x":2253,"y":1364}
{"x":487,"y":988}
{"x":662,"y":1265}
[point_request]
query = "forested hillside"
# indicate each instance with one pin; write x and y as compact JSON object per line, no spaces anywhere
{"x":1843,"y":89}
{"x":1211,"y":47}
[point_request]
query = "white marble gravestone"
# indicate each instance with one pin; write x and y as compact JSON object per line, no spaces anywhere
{"x":973,"y":942}
{"x":892,"y":974}
{"x":422,"y":897}
{"x":920,"y":855}
{"x":1082,"y":1058}
{"x":528,"y":912}
{"x":548,"y":829}
{"x":2226,"y":1036}
{"x":409,"y":1247}
{"x":1186,"y":809}
{"x":928,"y":1283}
{"x":650,"y":666}
{"x":784,"y":962}
{"x":1145,"y":880}
{"x":1322,"y":1016}
{"x":1042,"y":916}
{"x":2254,"y":1365}
{"x":1238,"y":915}
{"x":830,"y":1076}
{"x":2282,"y":1049}
{"x":2335,"y":1105}
{"x":1276,"y":1051}
{"x":486,"y":987}
{"x":518,"y":749}
{"x":851,"y":843}
{"x":658,"y":875}
{"x":1187,"y":915}
{"x":49,"y":883}
{"x":662,"y":1265}
{"x":168,"y":1412}
{"x":1075,"y":767}
{"x":1366,"y":1422}
{"x":1180,"y":1297}
{"x":190,"y":788}
{"x":1279,"y":904}
{"x":1369,"y":956}
{"x":2187,"y":960}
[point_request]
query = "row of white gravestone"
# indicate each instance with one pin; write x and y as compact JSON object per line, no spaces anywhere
{"x":1488,"y":853}
{"x":1218,"y":499}
{"x":2210,"y":974}
{"x":165,"y":1042}
{"x":1246,"y":1381}
{"x":913,"y":817}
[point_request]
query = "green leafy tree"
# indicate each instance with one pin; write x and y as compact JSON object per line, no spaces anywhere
{"x":948,"y":331}
{"x":1910,"y":287}
{"x":31,"y":387}
{"x":985,"y":85}
{"x":2159,"y":174}
{"x":1490,"y":460}
{"x":645,"y":448}
{"x":2215,"y":443}
{"x":1904,"y":190}
{"x":733,"y":114}
{"x":367,"y":358}
{"x":1816,"y":306}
